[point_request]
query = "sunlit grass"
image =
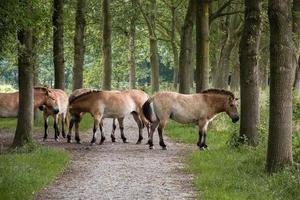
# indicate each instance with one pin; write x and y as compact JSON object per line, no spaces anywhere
{"x":22,"y":174}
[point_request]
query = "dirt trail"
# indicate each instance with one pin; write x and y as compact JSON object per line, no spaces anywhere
{"x":120,"y":171}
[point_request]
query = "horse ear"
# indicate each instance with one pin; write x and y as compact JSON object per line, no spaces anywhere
{"x":236,"y":99}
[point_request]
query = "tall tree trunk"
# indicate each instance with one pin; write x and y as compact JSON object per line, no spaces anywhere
{"x":154,"y":60}
{"x":174,"y":49}
{"x":263,"y":78}
{"x":202,"y":48}
{"x":249,"y":47}
{"x":296,"y":31}
{"x":23,"y":132}
{"x":185,"y":57}
{"x":132,"y":61}
{"x":279,"y":152}
{"x":79,"y":47}
{"x":58,"y":44}
{"x":107,"y":67}
{"x":35,"y":73}
{"x":235,"y":76}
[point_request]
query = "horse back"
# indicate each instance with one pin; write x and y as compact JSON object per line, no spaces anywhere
{"x":9,"y":104}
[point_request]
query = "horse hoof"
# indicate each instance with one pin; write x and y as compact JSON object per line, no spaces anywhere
{"x":151,"y":147}
{"x":64,"y":135}
{"x":139,"y":142}
{"x":69,"y":138}
{"x":102,"y":140}
{"x":202,"y":149}
{"x":164,"y":148}
{"x":56,"y":139}
{"x":113,"y":139}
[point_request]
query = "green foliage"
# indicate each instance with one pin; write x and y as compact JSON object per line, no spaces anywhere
{"x":7,"y":88}
{"x":23,"y":174}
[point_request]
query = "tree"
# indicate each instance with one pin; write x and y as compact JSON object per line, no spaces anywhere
{"x":23,"y":132}
{"x":106,"y":48}
{"x":132,"y":38}
{"x":296,"y":31}
{"x":58,"y":44}
{"x":202,"y":45}
{"x":154,"y":59}
{"x":249,"y":81}
{"x":79,"y":46}
{"x":279,"y":153}
{"x":185,"y":57}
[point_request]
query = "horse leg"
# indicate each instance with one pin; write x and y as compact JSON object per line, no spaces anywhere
{"x":45,"y":127}
{"x":113,"y":138}
{"x":63,"y":125}
{"x":160,"y":134}
{"x":70,"y":130}
{"x":152,"y":129}
{"x":140,"y":125}
{"x":96,"y":126}
{"x":121,"y":126}
{"x":102,"y":132}
{"x":77,"y":138}
{"x":55,"y":126}
{"x":202,"y":135}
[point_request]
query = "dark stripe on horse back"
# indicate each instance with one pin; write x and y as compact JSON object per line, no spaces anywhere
{"x":218,"y":91}
{"x":71,"y":100}
{"x":147,"y":110}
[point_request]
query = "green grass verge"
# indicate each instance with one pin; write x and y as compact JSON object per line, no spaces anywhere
{"x":24,"y":174}
{"x":224,"y":172}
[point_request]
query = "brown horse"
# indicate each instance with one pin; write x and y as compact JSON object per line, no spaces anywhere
{"x":62,"y":102}
{"x":198,"y":108}
{"x":9,"y":102}
{"x":107,"y":104}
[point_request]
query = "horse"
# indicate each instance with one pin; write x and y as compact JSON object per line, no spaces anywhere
{"x":200,"y":108}
{"x":62,"y":102}
{"x":9,"y":102}
{"x":107,"y":104}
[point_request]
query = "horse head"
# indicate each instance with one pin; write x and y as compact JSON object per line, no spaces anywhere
{"x":231,"y":108}
{"x":50,"y":101}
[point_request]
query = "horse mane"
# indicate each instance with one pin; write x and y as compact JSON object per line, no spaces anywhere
{"x":45,"y":88}
{"x":74,"y":98}
{"x":218,"y":91}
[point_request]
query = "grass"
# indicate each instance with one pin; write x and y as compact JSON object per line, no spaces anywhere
{"x":224,"y":172}
{"x":23,"y":174}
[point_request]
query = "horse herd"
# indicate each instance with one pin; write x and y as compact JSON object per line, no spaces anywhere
{"x":151,"y":112}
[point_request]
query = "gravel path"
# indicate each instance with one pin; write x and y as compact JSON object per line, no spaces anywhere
{"x":121,"y":171}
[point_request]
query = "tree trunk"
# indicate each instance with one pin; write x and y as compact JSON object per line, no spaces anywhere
{"x":35,"y":73}
{"x":23,"y":132}
{"x":132,"y":61}
{"x":107,"y":63}
{"x":154,"y":60}
{"x":185,"y":58}
{"x":174,"y":49}
{"x":249,"y":47}
{"x":235,"y":76}
{"x":263,"y":79}
{"x":296,"y":31}
{"x":79,"y":47}
{"x":202,"y":48}
{"x":279,"y":152}
{"x":58,"y":44}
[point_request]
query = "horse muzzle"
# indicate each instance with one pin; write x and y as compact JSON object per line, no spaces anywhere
{"x":55,"y":110}
{"x":235,"y":119}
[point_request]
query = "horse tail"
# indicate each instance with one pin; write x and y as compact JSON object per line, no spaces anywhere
{"x":147,"y":110}
{"x":66,"y":121}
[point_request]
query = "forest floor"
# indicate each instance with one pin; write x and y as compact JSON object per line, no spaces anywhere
{"x":120,"y":171}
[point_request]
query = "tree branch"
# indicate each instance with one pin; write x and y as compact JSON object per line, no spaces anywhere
{"x":224,"y":14}
{"x":216,"y":14}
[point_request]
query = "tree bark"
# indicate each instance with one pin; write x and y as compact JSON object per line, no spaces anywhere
{"x":296,"y":31}
{"x":79,"y":46}
{"x":23,"y":132}
{"x":279,"y":153}
{"x":58,"y":44}
{"x":154,"y":60}
{"x":132,"y":37}
{"x":235,"y":76}
{"x":174,"y":49}
{"x":185,"y":57}
{"x":35,"y":72}
{"x":202,"y":45}
{"x":249,"y":47}
{"x":107,"y":67}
